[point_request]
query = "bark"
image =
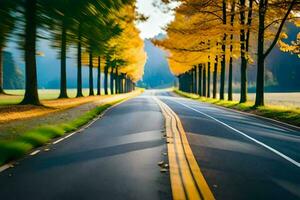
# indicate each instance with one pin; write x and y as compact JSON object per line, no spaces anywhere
{"x":91,"y":82}
{"x":208,"y":79}
{"x":231,"y":54}
{"x":259,"y":101}
{"x":106,"y":79}
{"x":191,"y":77}
{"x":204,"y":81}
{"x":79,"y":68}
{"x":112,"y":81}
{"x":200,"y":79}
{"x":249,"y":22}
{"x":99,"y":76}
{"x":121,"y":83}
{"x":63,"y":68}
{"x":117,"y":81}
{"x":215,"y":78}
{"x":1,"y":71}
{"x":243,"y":92}
{"x":223,"y":61}
{"x":230,"y":79}
{"x":126,"y":85}
{"x":31,"y":88}
{"x":195,"y":79}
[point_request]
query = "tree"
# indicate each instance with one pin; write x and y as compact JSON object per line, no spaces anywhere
{"x":7,"y":22}
{"x":232,"y":15}
{"x":31,"y":15}
{"x":269,"y":10}
{"x":245,"y":30}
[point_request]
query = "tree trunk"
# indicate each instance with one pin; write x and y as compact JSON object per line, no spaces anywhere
{"x":126,"y":85}
{"x":191,"y":85}
{"x":195,"y":79}
{"x":186,"y":82}
{"x":243,"y":92}
{"x":79,"y":68}
{"x":91,"y":82}
{"x":230,"y":80}
{"x":106,"y":79}
{"x":1,"y":71}
{"x":99,"y":76}
{"x":116,"y":81}
{"x":208,"y":79}
{"x":249,"y":22}
{"x":223,"y":61}
{"x":180,"y":82}
{"x":259,"y":101}
{"x":63,"y":68}
{"x":112,"y":81}
{"x":31,"y":88}
{"x":121,"y":84}
{"x":200,"y":79}
{"x":215,"y":78}
{"x":231,"y":54}
{"x":204,"y":82}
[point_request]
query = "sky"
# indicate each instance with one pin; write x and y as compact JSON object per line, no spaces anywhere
{"x":157,"y":19}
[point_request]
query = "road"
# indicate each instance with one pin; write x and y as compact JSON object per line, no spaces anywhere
{"x":235,"y":166}
{"x":115,"y":158}
{"x":240,"y":156}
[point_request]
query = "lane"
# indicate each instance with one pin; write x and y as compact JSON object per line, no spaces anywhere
{"x":234,"y":166}
{"x":115,"y":158}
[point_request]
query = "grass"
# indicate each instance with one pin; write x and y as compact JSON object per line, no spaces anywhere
{"x":18,"y":147}
{"x":285,"y":114}
{"x":16,"y":96}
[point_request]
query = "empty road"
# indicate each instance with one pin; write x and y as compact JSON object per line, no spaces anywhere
{"x":240,"y":156}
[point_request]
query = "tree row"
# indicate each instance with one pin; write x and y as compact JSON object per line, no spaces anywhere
{"x":102,"y":32}
{"x":217,"y":36}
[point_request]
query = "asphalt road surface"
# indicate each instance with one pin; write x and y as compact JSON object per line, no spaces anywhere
{"x":115,"y":158}
{"x":232,"y":151}
{"x":240,"y":156}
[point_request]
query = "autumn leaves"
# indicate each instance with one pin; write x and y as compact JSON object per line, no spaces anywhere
{"x":221,"y":36}
{"x":102,"y":32}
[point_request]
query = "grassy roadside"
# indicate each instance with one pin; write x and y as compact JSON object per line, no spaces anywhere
{"x":18,"y":147}
{"x":284,"y":114}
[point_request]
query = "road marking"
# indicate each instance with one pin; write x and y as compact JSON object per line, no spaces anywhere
{"x":187,"y":181}
{"x":89,"y":123}
{"x":35,"y":152}
{"x":4,"y":167}
{"x":59,"y":140}
{"x":245,"y":135}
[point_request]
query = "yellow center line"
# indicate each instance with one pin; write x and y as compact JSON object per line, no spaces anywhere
{"x":187,"y":181}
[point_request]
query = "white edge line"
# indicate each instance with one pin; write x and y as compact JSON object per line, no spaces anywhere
{"x":4,"y":167}
{"x":59,"y":140}
{"x":280,"y":124}
{"x":35,"y":152}
{"x":245,"y":135}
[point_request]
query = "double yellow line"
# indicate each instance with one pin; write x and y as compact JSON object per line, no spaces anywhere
{"x":187,"y":181}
